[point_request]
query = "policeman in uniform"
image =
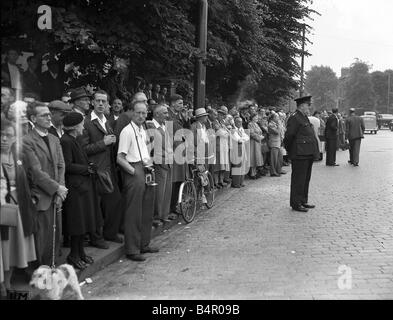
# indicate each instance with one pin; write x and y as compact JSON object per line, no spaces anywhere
{"x":302,"y":148}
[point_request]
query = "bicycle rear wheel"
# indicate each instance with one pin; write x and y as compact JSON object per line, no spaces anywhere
{"x":209,"y":191}
{"x":188,"y":201}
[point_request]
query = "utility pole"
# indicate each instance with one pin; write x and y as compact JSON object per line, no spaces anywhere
{"x":200,"y":67}
{"x":302,"y":66}
{"x":387,"y":107}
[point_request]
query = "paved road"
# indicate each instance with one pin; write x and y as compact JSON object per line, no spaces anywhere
{"x":252,"y":246}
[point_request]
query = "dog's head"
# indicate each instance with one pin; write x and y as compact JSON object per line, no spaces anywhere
{"x":41,"y":278}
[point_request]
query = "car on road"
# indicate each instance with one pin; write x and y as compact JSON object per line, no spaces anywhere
{"x":384,"y":120}
{"x":391,"y":125}
{"x":370,"y":121}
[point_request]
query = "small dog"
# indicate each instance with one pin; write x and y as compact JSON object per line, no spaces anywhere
{"x":51,"y":284}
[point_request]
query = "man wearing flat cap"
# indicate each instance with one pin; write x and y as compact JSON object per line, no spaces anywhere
{"x":58,"y":110}
{"x":354,"y":130}
{"x":302,"y":148}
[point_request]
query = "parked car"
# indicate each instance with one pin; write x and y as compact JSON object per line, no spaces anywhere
{"x":391,"y":125}
{"x":370,"y":122}
{"x":384,"y":120}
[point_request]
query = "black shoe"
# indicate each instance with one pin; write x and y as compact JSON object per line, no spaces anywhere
{"x":157,"y":223}
{"x":233,"y":186}
{"x":116,"y":239}
{"x":150,"y":250}
{"x":136,"y":257}
{"x":308,"y":206}
{"x":300,"y":209}
{"x":87,"y":259}
{"x":355,"y":164}
{"x":100,"y":244}
{"x":350,"y":162}
{"x":76,"y":263}
{"x":283,"y":172}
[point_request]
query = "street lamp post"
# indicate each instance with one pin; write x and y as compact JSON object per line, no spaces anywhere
{"x":200,"y":67}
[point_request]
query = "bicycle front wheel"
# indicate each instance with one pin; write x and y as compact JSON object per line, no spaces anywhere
{"x":188,"y":203}
{"x":209,"y":191}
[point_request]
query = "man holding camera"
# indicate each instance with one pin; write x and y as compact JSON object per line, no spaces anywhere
{"x":135,"y":163}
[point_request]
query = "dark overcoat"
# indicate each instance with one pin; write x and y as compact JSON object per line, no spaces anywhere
{"x":80,"y":204}
{"x":331,"y":129}
{"x":300,"y":141}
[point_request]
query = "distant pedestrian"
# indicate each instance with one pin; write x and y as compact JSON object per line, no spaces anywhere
{"x":302,"y":148}
{"x":354,"y":130}
{"x":331,"y":136}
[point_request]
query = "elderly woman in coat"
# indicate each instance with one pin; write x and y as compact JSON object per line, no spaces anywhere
{"x":81,"y":202}
{"x":256,"y":137}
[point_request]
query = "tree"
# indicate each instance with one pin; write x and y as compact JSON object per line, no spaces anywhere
{"x":321,"y":82}
{"x":380,"y":85}
{"x":252,"y":44}
{"x":359,"y":91}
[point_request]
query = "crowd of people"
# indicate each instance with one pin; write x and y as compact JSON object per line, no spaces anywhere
{"x":85,"y":162}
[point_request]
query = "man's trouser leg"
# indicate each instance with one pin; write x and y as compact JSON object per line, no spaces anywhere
{"x":133,"y":192}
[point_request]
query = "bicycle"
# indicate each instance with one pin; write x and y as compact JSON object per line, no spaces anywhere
{"x":198,"y":187}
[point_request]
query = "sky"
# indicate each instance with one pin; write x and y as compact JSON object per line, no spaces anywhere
{"x":349,"y":29}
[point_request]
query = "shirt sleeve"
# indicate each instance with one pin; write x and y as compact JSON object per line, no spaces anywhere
{"x":124,"y":141}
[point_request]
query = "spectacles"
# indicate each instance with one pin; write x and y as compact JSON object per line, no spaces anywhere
{"x":7,"y":135}
{"x":44,"y":115}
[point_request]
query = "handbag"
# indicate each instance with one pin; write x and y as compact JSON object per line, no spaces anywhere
{"x":9,"y":211}
{"x":9,"y":215}
{"x":104,"y":182}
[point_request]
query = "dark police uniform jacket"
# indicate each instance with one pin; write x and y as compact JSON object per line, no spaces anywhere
{"x":300,"y":141}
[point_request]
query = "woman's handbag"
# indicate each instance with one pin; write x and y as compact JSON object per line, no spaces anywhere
{"x":104,"y":182}
{"x":9,"y":211}
{"x":9,"y":215}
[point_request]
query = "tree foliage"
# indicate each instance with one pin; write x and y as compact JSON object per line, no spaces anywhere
{"x":321,"y":82}
{"x":252,"y":44}
{"x":359,"y":91}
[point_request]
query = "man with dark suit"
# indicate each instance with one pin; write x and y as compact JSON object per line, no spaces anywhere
{"x":179,"y":165}
{"x":98,"y":141}
{"x":331,"y":136}
{"x":52,"y":81}
{"x":116,"y":110}
{"x":31,"y":78}
{"x":162,"y":155}
{"x":46,"y":167}
{"x":58,"y":110}
{"x":11,"y":73}
{"x":354,"y":132}
{"x":302,"y":148}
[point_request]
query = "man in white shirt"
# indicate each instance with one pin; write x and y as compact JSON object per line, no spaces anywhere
{"x":133,"y":158}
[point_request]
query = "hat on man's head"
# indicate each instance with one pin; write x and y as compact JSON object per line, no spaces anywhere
{"x":71,"y":120}
{"x":152,"y":102}
{"x":305,"y":99}
{"x":223,"y":110}
{"x":200,"y":112}
{"x":79,"y":93}
{"x":175,"y":97}
{"x":59,"y":105}
{"x":352,"y":109}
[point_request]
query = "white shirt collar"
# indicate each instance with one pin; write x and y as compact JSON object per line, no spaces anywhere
{"x":157,"y":125}
{"x":101,"y":122}
{"x":40,"y":133}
